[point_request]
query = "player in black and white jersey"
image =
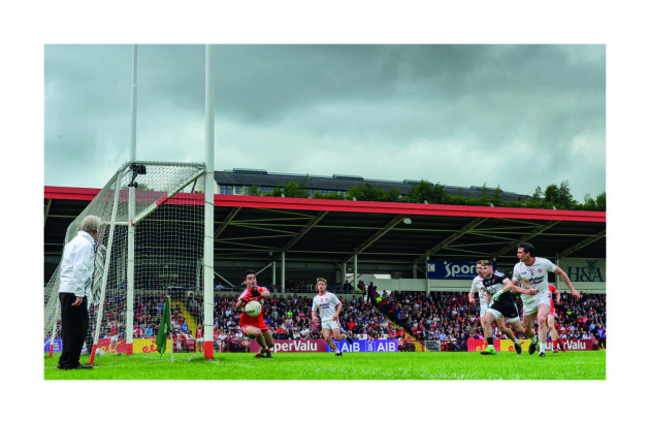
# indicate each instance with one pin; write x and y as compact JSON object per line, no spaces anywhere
{"x":477,"y":286}
{"x":532,"y":273}
{"x":502,"y":306}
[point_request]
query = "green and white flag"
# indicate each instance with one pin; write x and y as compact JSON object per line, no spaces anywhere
{"x":165,"y":327}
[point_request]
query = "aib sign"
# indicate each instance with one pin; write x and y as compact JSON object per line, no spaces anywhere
{"x":440,"y":269}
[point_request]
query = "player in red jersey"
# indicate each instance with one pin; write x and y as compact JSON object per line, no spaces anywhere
{"x":115,"y":327}
{"x":255,"y":327}
{"x":550,"y":320}
{"x":199,"y":338}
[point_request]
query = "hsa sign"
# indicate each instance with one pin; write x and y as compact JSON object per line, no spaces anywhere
{"x":585,"y":270}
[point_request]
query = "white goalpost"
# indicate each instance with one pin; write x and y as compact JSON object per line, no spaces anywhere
{"x":156,"y":242}
{"x":208,"y":256}
{"x":152,"y":246}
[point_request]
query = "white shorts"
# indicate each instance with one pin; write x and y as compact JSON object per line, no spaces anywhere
{"x":530,"y":306}
{"x":330,"y":324}
{"x":200,"y":340}
{"x":484,"y":308}
{"x":114,"y":338}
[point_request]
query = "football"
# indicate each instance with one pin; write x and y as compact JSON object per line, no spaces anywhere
{"x":253,"y":308}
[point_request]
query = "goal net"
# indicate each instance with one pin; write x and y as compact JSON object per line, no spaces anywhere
{"x":150,"y":247}
{"x":432,"y":345}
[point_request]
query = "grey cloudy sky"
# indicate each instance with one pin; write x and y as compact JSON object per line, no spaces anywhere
{"x":518,"y":116}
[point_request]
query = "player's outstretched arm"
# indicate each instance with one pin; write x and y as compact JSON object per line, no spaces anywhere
{"x":559,"y":271}
{"x":520,"y":290}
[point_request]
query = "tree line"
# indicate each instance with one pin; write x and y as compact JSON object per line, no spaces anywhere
{"x":553,"y":197}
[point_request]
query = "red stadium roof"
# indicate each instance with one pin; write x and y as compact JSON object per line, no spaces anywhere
{"x":70,"y":193}
{"x":258,"y":228}
{"x":88,"y":194}
{"x":405,"y":208}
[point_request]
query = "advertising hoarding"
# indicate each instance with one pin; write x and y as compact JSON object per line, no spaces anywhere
{"x":442,"y":269}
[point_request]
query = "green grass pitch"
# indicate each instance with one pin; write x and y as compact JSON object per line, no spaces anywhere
{"x":574,"y":365}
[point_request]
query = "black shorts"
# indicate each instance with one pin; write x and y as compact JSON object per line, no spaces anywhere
{"x":507,"y":309}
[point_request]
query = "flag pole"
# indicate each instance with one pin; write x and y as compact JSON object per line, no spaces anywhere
{"x":171,"y":329}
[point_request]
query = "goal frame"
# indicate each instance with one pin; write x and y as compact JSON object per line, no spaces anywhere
{"x":115,"y":188}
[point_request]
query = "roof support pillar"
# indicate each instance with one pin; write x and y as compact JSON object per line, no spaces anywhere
{"x":274,"y":273}
{"x":283,"y":277}
{"x":426,"y":271}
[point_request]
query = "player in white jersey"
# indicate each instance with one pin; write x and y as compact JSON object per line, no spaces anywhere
{"x":477,"y":287}
{"x":532,"y":273}
{"x":328,"y":306}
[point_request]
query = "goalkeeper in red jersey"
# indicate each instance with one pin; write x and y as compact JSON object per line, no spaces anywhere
{"x":255,"y":327}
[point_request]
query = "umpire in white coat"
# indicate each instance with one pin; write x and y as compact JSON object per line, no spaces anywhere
{"x":76,"y":272}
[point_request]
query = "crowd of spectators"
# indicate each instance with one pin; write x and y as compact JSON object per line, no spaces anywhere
{"x":448,"y":316}
{"x":308,"y":286}
{"x":289,"y":317}
{"x":444,"y":316}
{"x":584,"y":318}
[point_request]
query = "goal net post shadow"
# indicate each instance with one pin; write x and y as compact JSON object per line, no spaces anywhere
{"x":151,"y":244}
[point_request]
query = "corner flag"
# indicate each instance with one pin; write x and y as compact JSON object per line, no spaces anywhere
{"x":165,"y":327}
